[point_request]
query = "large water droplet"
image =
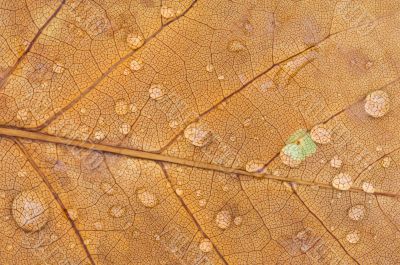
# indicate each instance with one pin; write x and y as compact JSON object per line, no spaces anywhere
{"x":30,"y":211}
{"x":377,"y":103}
{"x":147,"y":198}
{"x":223,"y":219}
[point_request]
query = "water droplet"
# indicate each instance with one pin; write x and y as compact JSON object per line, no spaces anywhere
{"x":223,"y":219}
{"x":342,"y":181}
{"x":125,"y":128}
{"x":198,"y":134}
{"x":179,"y":191}
{"x":205,"y":245}
{"x":209,"y":68}
{"x":117,"y":211}
{"x":99,"y":135}
{"x":221,"y":77}
{"x":121,"y":107}
{"x":29,"y":211}
{"x":377,"y":103}
{"x":147,"y":198}
{"x":386,"y":162}
{"x":107,"y":188}
{"x":135,"y":41}
{"x":357,"y":212}
{"x":73,"y":214}
{"x":98,"y":225}
{"x":156,"y":91}
{"x":236,"y":46}
{"x":287,"y":157}
{"x":255,"y":166}
{"x":320,"y":134}
{"x":247,"y":122}
{"x":368,"y":187}
{"x":238,"y":220}
{"x":136,"y":64}
{"x":58,"y":68}
{"x":133,"y":108}
{"x":336,"y":162}
{"x":202,"y":202}
{"x":167,"y":12}
{"x":353,"y":237}
{"x":23,"y":114}
{"x":173,"y":124}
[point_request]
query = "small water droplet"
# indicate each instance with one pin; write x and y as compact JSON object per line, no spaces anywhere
{"x":136,"y":64}
{"x":125,"y":128}
{"x":147,"y":198}
{"x":209,"y":68}
{"x":202,"y":202}
{"x":238,"y":220}
{"x":167,"y":12}
{"x":336,"y":162}
{"x":236,"y":46}
{"x":377,"y":103}
{"x":117,"y":211}
{"x":368,"y":187}
{"x":73,"y":214}
{"x":205,"y":245}
{"x":221,"y":77}
{"x":253,"y":166}
{"x":357,"y":212}
{"x":98,"y":225}
{"x":247,"y":122}
{"x":29,"y":211}
{"x":320,"y":134}
{"x":173,"y":124}
{"x":353,"y":237}
{"x":23,"y":114}
{"x":58,"y":68}
{"x":198,"y":135}
{"x":156,"y":91}
{"x":342,"y":181}
{"x":386,"y":161}
{"x":134,"y":41}
{"x":99,"y":135}
{"x":179,"y":191}
{"x":121,"y":107}
{"x":223,"y":219}
{"x":107,"y":188}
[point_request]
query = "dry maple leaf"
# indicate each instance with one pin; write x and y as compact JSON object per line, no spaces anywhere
{"x":199,"y":132}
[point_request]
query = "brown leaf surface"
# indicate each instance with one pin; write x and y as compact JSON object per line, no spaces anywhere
{"x":168,"y":152}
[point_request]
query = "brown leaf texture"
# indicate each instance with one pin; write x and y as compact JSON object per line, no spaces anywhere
{"x":199,"y":132}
